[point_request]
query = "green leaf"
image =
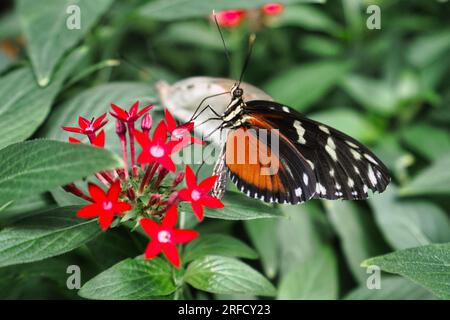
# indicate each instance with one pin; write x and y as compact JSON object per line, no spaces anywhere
{"x":357,"y":233}
{"x":228,"y":276}
{"x":94,"y":102}
{"x":24,"y":104}
{"x":349,"y":121}
{"x":409,"y":223}
{"x":131,"y":279}
{"x":45,"y":25}
{"x":392,"y":288}
{"x":429,"y":141}
{"x":40,"y":165}
{"x":239,"y":207}
{"x":168,"y":10}
{"x":433,"y":180}
{"x":31,"y":204}
{"x":217,"y":244}
{"x":308,"y":17}
{"x":313,"y":279}
{"x":301,"y":235}
{"x":262,"y":233}
{"x":429,"y":48}
{"x":358,"y":87}
{"x":428,"y":266}
{"x":311,"y":82}
{"x":45,"y":235}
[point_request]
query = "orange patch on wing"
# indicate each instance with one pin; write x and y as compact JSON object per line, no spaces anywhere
{"x":252,"y":161}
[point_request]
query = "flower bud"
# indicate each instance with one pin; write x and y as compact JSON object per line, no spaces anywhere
{"x":178,"y":179}
{"x":121,"y":129}
{"x":146,"y":123}
{"x":272,"y":9}
{"x":173,"y":199}
{"x":154,"y":199}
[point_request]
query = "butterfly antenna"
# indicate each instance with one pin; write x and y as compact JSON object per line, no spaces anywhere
{"x":227,"y":53}
{"x":251,"y":41}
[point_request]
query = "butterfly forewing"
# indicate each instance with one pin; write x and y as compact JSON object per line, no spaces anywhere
{"x":314,"y":160}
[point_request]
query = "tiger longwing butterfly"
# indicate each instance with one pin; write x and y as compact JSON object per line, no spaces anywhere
{"x":313,"y":159}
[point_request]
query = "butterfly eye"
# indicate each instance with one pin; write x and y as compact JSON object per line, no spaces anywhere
{"x":238,"y":92}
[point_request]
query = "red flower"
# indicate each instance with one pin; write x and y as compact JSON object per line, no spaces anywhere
{"x":129,"y":116}
{"x":272,"y":9}
{"x":98,"y":140}
{"x":88,"y":127}
{"x":105,"y":205}
{"x":156,"y":149}
{"x":230,"y":18}
{"x":165,"y":237}
{"x":180,"y":134}
{"x":198,"y":195}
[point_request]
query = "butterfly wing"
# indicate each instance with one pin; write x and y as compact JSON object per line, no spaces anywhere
{"x":341,"y":167}
{"x":265,"y":166}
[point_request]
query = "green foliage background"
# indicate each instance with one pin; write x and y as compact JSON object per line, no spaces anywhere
{"x":388,"y":88}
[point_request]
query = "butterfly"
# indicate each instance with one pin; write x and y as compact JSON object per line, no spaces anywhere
{"x":312,"y":160}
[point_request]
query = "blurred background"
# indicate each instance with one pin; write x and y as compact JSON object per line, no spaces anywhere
{"x":387,"y":87}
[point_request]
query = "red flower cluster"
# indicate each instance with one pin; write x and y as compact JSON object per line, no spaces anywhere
{"x":234,"y":17}
{"x":153,"y":203}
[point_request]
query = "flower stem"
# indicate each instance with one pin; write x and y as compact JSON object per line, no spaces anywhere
{"x":131,"y":136}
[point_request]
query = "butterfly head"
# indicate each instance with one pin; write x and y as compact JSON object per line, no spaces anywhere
{"x":236,"y":91}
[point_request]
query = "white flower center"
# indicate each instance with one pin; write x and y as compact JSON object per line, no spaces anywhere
{"x":107,"y":205}
{"x":195,"y":194}
{"x":157,"y":151}
{"x":164,"y":236}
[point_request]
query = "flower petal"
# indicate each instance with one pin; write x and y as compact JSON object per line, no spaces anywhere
{"x":171,"y":253}
{"x":167,"y":163}
{"x":89,"y":211}
{"x":74,"y":140}
{"x":114,"y":191}
{"x":150,"y":227}
{"x":142,"y":139}
{"x":99,"y":140}
{"x":191,"y":179}
{"x":160,"y":133}
{"x":198,"y":210}
{"x":98,"y":122}
{"x":211,"y":202}
{"x":83,"y":123}
{"x":208,"y":183}
{"x":73,"y":129}
{"x":119,"y":112}
{"x":183,"y":236}
{"x":144,"y":110}
{"x":122,"y":206}
{"x":152,"y":250}
{"x":96,"y":192}
{"x":171,"y":218}
{"x":184,"y":195}
{"x":105,"y":220}
{"x":171,"y":124}
{"x":134,"y":109}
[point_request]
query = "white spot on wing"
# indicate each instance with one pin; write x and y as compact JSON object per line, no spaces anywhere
{"x":351,"y":144}
{"x":372,"y":178}
{"x":368,"y":157}
{"x":285,"y":109}
{"x":350,"y":182}
{"x":324,"y":129}
{"x":300,"y":131}
{"x":310,"y":164}
{"x":305,"y":179}
{"x":331,"y":152}
{"x":330,"y":142}
{"x":298,"y":192}
{"x":355,"y":154}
